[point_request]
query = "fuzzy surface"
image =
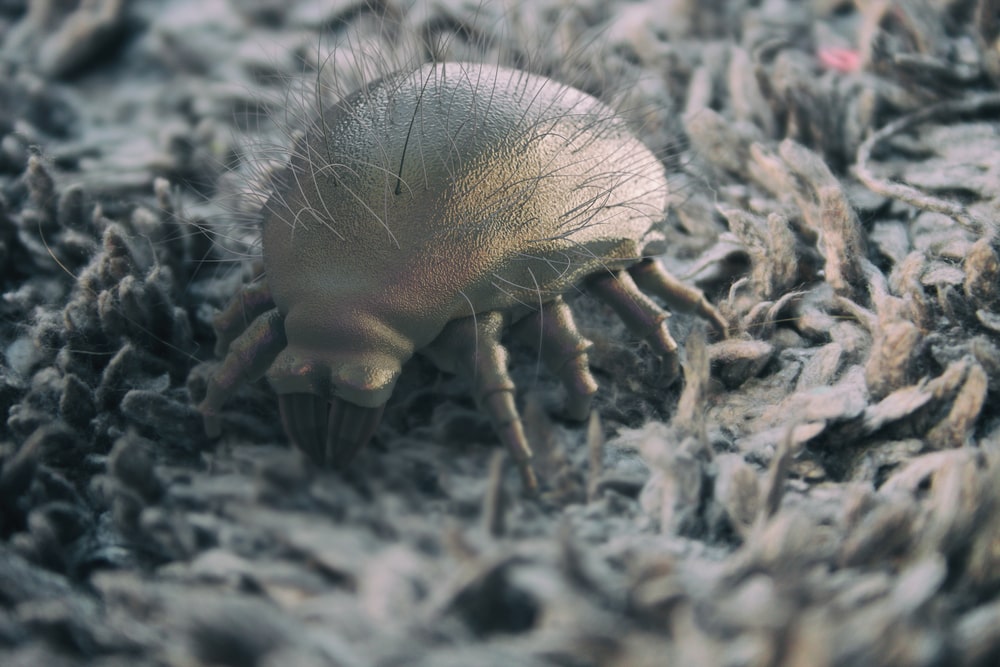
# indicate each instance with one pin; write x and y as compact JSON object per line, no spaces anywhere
{"x":822,"y":489}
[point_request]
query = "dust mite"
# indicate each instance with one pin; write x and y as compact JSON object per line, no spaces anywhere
{"x":430,"y":212}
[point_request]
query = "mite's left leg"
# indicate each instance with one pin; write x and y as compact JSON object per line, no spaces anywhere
{"x":651,"y":277}
{"x":471,"y":347}
{"x":563,"y":349}
{"x":639,"y":313}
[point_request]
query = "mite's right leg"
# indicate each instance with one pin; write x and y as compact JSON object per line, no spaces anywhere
{"x":248,"y":358}
{"x":247,"y":305}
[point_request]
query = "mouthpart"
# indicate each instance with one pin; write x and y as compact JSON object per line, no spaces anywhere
{"x":331,"y":433}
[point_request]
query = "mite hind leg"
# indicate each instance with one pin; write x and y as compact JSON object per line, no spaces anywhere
{"x":563,"y":349}
{"x":651,"y":277}
{"x":639,"y":313}
{"x":247,"y":305}
{"x":471,"y":347}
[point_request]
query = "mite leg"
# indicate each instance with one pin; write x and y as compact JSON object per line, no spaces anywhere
{"x":639,"y":313}
{"x":471,"y":347}
{"x":564,"y":351}
{"x":651,"y":277}
{"x":247,"y":305}
{"x":248,"y":358}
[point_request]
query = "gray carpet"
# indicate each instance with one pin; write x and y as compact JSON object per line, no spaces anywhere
{"x":823,"y":488}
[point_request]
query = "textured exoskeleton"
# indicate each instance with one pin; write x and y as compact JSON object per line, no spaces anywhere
{"x":430,"y":212}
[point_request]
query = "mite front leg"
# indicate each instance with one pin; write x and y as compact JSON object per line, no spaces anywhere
{"x":471,"y":347}
{"x":247,"y":305}
{"x":639,"y":313}
{"x":651,"y":277}
{"x":248,"y":358}
{"x":552,"y":330}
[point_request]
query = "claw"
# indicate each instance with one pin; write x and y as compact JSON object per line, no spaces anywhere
{"x":330,"y":433}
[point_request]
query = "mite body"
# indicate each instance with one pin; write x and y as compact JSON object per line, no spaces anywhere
{"x":430,"y":212}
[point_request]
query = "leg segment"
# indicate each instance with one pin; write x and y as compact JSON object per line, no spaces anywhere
{"x":641,"y":315}
{"x":564,"y":351}
{"x":471,"y":347}
{"x":651,"y":277}
{"x":247,"y":305}
{"x":248,"y":358}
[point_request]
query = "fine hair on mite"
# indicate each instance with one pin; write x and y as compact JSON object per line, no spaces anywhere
{"x":439,"y":199}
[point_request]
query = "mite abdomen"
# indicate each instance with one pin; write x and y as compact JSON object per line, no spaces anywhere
{"x":453,"y":176}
